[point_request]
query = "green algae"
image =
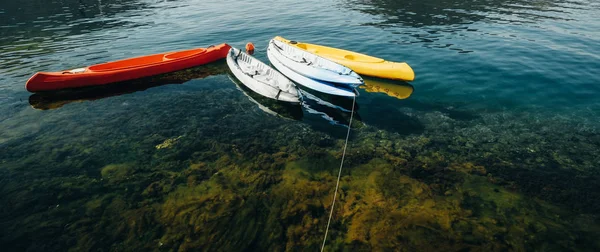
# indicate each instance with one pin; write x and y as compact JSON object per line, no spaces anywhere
{"x":116,"y":172}
{"x":242,"y":180}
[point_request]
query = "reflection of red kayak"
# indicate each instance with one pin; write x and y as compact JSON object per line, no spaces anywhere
{"x":127,"y":69}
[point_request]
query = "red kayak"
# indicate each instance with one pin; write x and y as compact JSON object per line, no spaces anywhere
{"x":127,"y":69}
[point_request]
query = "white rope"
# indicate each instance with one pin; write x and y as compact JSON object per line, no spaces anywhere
{"x":339,"y":176}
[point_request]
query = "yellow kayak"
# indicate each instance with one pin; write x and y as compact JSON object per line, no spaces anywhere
{"x":396,"y":90}
{"x":360,"y":63}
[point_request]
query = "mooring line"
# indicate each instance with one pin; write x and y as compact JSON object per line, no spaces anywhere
{"x":337,"y":185}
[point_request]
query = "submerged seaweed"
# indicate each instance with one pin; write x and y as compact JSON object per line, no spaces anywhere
{"x":221,"y":175}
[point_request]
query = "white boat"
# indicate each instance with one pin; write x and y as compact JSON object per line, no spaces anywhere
{"x":292,"y":111}
{"x":321,"y":86}
{"x":261,"y":78}
{"x":313,"y":66}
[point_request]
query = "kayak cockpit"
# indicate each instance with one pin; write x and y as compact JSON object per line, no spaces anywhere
{"x":128,"y":63}
{"x":145,"y":60}
{"x":183,"y":54}
{"x":339,"y":54}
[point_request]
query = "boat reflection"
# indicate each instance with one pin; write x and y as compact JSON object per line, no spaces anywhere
{"x":57,"y":99}
{"x":272,"y":107}
{"x":334,"y":109}
{"x":397,"y":89}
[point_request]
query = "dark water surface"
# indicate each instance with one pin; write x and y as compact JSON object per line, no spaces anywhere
{"x":494,"y":147}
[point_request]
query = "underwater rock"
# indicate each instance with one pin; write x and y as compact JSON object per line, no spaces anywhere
{"x":117,"y":172}
{"x":468,"y":168}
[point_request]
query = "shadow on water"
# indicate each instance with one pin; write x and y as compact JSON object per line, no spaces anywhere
{"x":388,"y":117}
{"x":399,"y":117}
{"x":57,"y":99}
{"x":402,"y":90}
{"x":269,"y":106}
{"x":453,"y":111}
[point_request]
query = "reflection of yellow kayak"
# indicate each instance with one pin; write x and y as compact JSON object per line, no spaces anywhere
{"x":396,"y":90}
{"x":360,"y":63}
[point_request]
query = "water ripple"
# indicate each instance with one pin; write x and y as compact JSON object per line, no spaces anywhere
{"x":494,"y":51}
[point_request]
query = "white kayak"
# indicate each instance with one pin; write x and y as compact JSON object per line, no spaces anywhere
{"x":261,"y":78}
{"x":293,"y":113}
{"x":313,"y":84}
{"x":313,"y":66}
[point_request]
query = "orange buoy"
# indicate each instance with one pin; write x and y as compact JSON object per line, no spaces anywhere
{"x":250,"y":48}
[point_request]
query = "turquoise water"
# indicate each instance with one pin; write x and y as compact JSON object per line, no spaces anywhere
{"x":496,"y":147}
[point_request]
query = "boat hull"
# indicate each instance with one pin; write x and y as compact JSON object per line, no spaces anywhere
{"x":261,"y":78}
{"x":358,"y":62}
{"x":124,"y":70}
{"x":323,"y":87}
{"x":314,"y":66}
